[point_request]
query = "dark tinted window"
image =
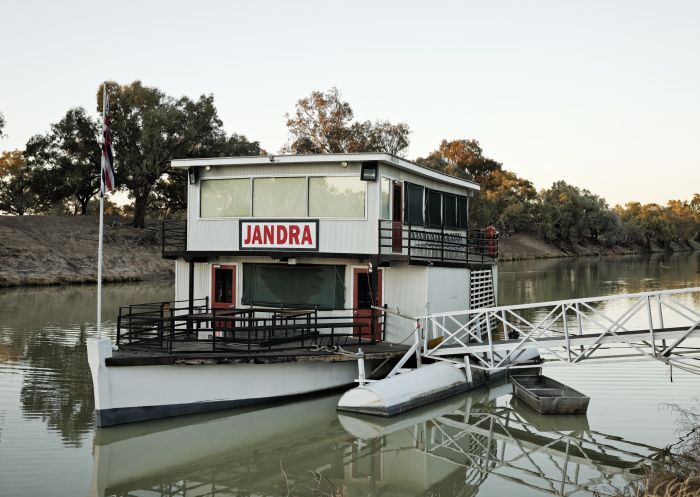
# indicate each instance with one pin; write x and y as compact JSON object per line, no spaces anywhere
{"x":223,"y":285}
{"x":413,"y":210}
{"x":462,"y":221}
{"x":277,"y":285}
{"x":450,"y":211}
{"x":433,"y":208}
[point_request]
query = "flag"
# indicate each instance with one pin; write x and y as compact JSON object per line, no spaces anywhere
{"x":107,"y":157}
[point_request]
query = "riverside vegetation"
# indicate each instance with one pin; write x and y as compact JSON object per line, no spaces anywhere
{"x":58,"y":171}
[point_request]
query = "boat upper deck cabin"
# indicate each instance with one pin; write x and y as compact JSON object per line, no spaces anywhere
{"x":334,"y":205}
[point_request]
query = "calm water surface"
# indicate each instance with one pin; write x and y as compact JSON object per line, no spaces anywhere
{"x":481,"y":444}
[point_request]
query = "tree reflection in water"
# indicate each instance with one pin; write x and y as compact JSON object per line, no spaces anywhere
{"x":58,"y":390}
{"x":43,"y":332}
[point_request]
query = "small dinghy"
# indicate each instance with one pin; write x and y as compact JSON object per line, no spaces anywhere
{"x":548,"y":396}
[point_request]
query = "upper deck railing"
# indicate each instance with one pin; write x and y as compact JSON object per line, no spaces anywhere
{"x":436,"y":245}
{"x":173,"y":237}
{"x":417,"y":244}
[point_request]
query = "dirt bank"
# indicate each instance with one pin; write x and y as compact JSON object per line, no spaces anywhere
{"x":519,"y":246}
{"x":50,"y":250}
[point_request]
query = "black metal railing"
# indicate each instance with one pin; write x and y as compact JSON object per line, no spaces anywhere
{"x":420,"y":244}
{"x":172,"y":328}
{"x":173,"y":236}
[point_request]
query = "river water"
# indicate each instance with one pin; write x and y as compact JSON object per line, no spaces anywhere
{"x":482,"y":443}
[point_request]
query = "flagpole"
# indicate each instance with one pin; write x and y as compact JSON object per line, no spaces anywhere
{"x":102,"y":207}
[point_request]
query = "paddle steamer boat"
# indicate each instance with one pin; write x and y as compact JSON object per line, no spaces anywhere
{"x":285,"y":267}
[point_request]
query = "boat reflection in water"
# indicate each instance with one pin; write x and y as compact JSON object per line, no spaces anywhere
{"x":477,"y":442}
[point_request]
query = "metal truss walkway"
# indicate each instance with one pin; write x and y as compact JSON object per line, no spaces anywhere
{"x":661,"y":325}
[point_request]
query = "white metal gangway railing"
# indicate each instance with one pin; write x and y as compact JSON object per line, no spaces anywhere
{"x":657,"y":325}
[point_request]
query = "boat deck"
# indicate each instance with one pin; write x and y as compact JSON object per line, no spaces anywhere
{"x":192,"y":352}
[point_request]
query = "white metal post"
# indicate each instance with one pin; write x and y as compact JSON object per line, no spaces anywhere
{"x":566,"y":331}
{"x":488,"y":332}
{"x":651,"y":326}
{"x":361,"y":367}
{"x":100,"y":246}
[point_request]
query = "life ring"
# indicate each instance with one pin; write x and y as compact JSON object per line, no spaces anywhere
{"x":492,"y":241}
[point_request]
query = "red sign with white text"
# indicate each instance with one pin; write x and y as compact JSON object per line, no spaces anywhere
{"x":279,"y":235}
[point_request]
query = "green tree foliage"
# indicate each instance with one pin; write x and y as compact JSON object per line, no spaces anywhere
{"x":322,"y":123}
{"x":571,"y":214}
{"x":150,"y":129}
{"x":16,"y":195}
{"x":2,"y":124}
{"x":65,"y":162}
{"x":170,"y":192}
{"x":505,"y":200}
{"x":679,"y":220}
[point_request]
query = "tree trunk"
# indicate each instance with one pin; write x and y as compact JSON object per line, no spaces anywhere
{"x":84,"y":206}
{"x":140,"y":203}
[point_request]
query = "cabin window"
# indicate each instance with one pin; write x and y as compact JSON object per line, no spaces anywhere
{"x":224,"y":198}
{"x":386,"y":199}
{"x":433,"y":208}
{"x":462,"y":212}
{"x":279,"y":197}
{"x":413,"y":210}
{"x":450,"y":211}
{"x":337,"y":196}
{"x":275,"y":285}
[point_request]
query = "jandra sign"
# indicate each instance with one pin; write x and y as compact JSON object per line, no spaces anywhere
{"x":279,"y":235}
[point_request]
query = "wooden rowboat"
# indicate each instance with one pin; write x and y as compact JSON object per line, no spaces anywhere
{"x":548,"y":396}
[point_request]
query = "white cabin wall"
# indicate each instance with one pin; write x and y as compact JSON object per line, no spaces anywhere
{"x":448,"y":289}
{"x":202,"y":278}
{"x":350,"y":236}
{"x":181,"y":279}
{"x":404,"y":291}
{"x":335,"y":235}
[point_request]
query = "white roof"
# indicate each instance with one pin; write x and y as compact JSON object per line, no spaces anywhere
{"x":322,"y":158}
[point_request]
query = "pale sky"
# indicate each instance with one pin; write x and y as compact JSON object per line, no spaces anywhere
{"x":602,"y":94}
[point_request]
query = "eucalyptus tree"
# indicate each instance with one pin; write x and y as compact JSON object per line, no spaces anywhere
{"x":16,"y":195}
{"x":322,"y":123}
{"x":150,"y":129}
{"x":65,"y":162}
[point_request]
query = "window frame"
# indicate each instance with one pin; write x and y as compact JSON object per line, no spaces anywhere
{"x":444,"y":211}
{"x":407,"y":185}
{"x":426,"y":207}
{"x":253,"y":177}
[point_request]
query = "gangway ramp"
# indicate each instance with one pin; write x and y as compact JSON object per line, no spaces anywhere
{"x":648,"y":325}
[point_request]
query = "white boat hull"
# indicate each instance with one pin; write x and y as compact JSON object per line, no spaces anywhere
{"x":126,"y":394}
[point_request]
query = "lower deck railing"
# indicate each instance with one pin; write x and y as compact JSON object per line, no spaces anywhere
{"x":175,"y":327}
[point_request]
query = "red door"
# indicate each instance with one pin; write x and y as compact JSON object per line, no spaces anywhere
{"x":223,"y":292}
{"x":397,"y":217}
{"x":362,"y":303}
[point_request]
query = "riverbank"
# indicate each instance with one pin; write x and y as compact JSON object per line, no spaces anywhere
{"x":52,"y":250}
{"x":521,"y":246}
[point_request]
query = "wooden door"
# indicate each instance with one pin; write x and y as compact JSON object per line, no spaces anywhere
{"x":362,"y":304}
{"x":397,"y":217}
{"x":223,"y":292}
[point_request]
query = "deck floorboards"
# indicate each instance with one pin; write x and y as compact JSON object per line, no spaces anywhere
{"x":194,"y":352}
